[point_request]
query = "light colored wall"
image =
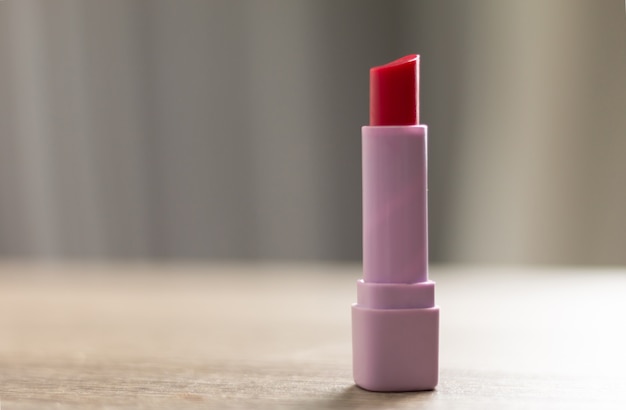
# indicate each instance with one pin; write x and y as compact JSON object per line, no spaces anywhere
{"x":541,"y":174}
{"x":224,"y":129}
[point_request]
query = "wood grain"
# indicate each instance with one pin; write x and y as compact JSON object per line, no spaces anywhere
{"x":231,"y":336}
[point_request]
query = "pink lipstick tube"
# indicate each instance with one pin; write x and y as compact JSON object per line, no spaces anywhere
{"x":395,"y":322}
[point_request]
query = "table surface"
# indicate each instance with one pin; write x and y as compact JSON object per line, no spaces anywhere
{"x":274,"y":336}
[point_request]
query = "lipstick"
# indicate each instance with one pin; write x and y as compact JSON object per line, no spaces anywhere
{"x":395,"y":322}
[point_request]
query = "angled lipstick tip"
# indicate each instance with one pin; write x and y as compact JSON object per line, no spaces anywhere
{"x":394,"y":92}
{"x":411,"y":59}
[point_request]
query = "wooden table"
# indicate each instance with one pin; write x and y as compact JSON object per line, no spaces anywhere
{"x":229,"y":336}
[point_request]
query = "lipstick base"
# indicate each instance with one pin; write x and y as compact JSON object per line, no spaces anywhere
{"x":395,"y":350}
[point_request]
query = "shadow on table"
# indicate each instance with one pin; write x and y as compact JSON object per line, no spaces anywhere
{"x":354,"y":397}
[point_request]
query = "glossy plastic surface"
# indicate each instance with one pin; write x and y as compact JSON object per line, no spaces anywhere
{"x":395,"y":322}
{"x":395,"y":211}
{"x":395,"y":349}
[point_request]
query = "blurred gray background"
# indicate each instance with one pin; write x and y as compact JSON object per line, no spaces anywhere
{"x":231,"y":129}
